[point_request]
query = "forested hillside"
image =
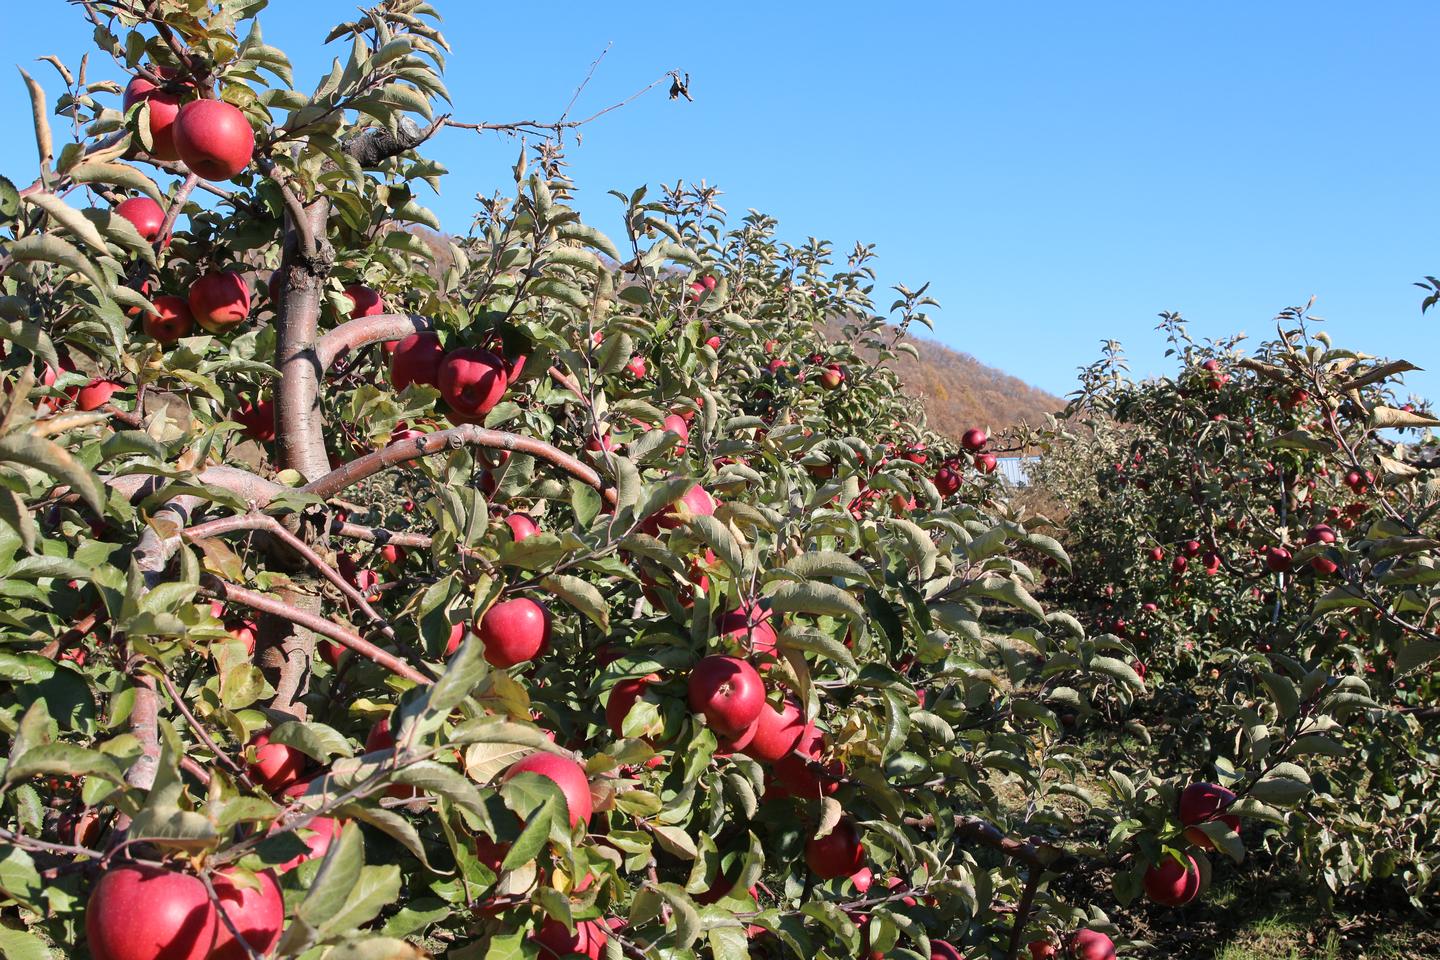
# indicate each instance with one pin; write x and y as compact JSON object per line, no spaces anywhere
{"x":960,"y":392}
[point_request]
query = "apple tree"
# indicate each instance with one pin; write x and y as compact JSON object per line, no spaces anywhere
{"x":376,"y":592}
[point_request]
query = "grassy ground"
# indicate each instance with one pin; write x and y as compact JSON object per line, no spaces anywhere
{"x":1258,"y":916}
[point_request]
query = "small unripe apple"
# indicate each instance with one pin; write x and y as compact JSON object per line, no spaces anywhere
{"x":514,"y":631}
{"x":219,"y":301}
{"x":472,"y":381}
{"x":417,"y":359}
{"x":213,"y":139}
{"x":837,"y":854}
{"x":974,"y":439}
{"x":164,"y":107}
{"x":568,"y":775}
{"x":170,"y":321}
{"x":147,"y":216}
{"x":364,"y":301}
{"x":728,"y":692}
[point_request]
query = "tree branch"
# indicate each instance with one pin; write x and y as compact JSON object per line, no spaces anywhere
{"x":454,"y":438}
{"x":224,"y":590}
{"x":363,"y":331}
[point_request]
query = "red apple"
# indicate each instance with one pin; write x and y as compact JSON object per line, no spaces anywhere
{"x":1088,"y":944}
{"x":1041,"y":950}
{"x":568,"y":775}
{"x":833,"y":377}
{"x":837,"y":854}
{"x":457,"y":637}
{"x":97,"y":393}
{"x":985,"y":462}
{"x":1157,"y":554}
{"x":522,"y":526}
{"x":974,"y":439}
{"x":392,"y":554}
{"x":164,"y":108}
{"x":275,"y":766}
{"x":555,"y":941}
{"x":170,"y":321}
{"x":258,"y":419}
{"x":636,"y":367}
{"x":417,"y":359}
{"x":1320,"y":534}
{"x":748,"y":625}
{"x":695,"y":502}
{"x":777,"y":731}
{"x":472,"y":381}
{"x":259,"y":916}
{"x":246,"y":632}
{"x":147,"y":216}
{"x":213,"y":139}
{"x":947,"y":479}
{"x":940,"y":950}
{"x":728,"y":691}
{"x":622,"y":697}
{"x":1202,"y":802}
{"x":219,"y":301}
{"x":364,"y":302}
{"x":514,"y":631}
{"x":149,"y":913}
{"x":1277,"y":559}
{"x":1172,"y":882}
{"x":320,"y":832}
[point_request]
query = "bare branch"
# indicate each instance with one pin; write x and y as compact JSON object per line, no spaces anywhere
{"x":258,"y":601}
{"x":363,"y":331}
{"x":465,"y":435}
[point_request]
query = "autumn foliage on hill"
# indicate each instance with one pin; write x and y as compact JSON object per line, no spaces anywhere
{"x":958,"y":391}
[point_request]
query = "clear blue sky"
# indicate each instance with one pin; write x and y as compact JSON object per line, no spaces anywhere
{"x":1061,"y":172}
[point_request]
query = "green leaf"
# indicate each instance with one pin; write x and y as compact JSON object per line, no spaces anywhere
{"x":917,"y":545}
{"x":53,"y":459}
{"x":338,"y":875}
{"x":582,"y":595}
{"x":826,"y":563}
{"x":816,"y":597}
{"x":19,"y":945}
